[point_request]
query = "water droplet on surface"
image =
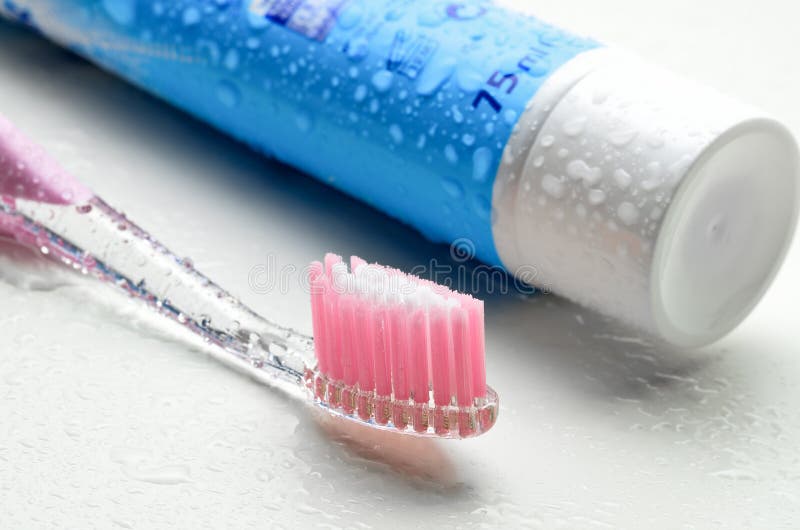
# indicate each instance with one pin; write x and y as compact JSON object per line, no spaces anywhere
{"x":121,"y":11}
{"x":547,"y":140}
{"x":209,"y":49}
{"x":382,"y":80}
{"x":357,"y":49}
{"x":482,"y":207}
{"x":191,"y":16}
{"x":360,"y":93}
{"x":396,"y":133}
{"x":481,"y":164}
{"x":231,"y":60}
{"x":435,"y":75}
{"x":228,"y":94}
{"x":654,"y":176}
{"x":458,"y":117}
{"x":450,"y":154}
{"x":510,"y":116}
{"x":468,"y":80}
{"x":303,"y":121}
{"x":453,"y":187}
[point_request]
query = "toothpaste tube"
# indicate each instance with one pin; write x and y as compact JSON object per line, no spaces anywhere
{"x":573,"y":166}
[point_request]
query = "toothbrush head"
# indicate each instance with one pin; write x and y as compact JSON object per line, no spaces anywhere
{"x":398,"y":352}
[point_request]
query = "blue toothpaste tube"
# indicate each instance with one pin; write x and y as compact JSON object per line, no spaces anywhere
{"x":575,"y":167}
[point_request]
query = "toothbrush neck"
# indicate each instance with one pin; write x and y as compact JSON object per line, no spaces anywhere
{"x":101,"y":241}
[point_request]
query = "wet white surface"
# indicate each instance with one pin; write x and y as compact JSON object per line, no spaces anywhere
{"x":107,"y":420}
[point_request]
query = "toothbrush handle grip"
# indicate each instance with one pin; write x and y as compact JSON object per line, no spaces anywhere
{"x":96,"y":239}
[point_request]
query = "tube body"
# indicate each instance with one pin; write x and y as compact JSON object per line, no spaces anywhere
{"x":616,"y":184}
{"x":406,"y":105}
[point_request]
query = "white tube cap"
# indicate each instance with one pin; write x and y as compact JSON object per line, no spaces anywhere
{"x":647,"y":197}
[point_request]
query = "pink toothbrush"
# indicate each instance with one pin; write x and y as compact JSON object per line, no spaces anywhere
{"x":392,"y":351}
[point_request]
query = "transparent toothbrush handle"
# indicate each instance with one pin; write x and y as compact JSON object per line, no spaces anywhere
{"x":98,"y":240}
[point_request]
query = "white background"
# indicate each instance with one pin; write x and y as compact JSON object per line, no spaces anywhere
{"x":106,"y":420}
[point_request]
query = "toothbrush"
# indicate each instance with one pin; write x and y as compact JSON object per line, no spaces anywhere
{"x":391,"y":350}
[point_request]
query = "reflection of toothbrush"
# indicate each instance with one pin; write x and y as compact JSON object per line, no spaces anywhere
{"x":392,"y":351}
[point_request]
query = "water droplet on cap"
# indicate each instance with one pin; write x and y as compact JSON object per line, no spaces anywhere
{"x":553,"y":185}
{"x":596,"y":196}
{"x":627,"y":213}
{"x":622,"y":178}
{"x":578,"y":169}
{"x":575,"y":126}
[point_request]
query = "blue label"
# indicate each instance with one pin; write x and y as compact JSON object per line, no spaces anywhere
{"x":405,"y":104}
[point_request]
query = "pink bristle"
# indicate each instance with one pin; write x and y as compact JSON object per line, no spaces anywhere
{"x":441,"y":365}
{"x":356,"y":262}
{"x":330,"y":261}
{"x":399,"y":351}
{"x":321,"y":342}
{"x":380,"y":359}
{"x":349,"y":330}
{"x":463,"y":357}
{"x":419,"y":372}
{"x":334,"y":334}
{"x":437,"y":288}
{"x":381,"y":349}
{"x":477,"y":348}
{"x":365,"y":317}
